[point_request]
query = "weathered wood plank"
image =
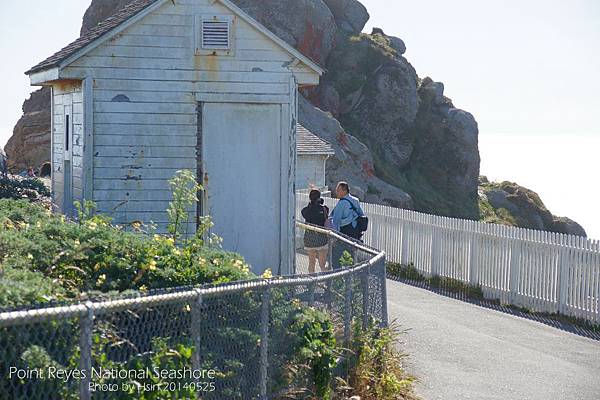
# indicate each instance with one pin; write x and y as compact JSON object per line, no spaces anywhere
{"x":143,"y":162}
{"x":144,"y":85}
{"x":149,"y":141}
{"x":145,"y":130}
{"x":144,"y":151}
{"x":201,"y":63}
{"x":112,"y":184}
{"x":186,"y":75}
{"x":147,"y":96}
{"x":139,"y":195}
{"x":146,"y":107}
{"x":137,"y":174}
{"x":145,"y":119}
{"x":126,"y":39}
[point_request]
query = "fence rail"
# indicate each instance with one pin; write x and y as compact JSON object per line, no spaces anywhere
{"x":242,"y":331}
{"x":541,"y":271}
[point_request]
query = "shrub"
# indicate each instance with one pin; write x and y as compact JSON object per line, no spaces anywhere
{"x":378,"y":372}
{"x":17,"y":188}
{"x":91,"y":255}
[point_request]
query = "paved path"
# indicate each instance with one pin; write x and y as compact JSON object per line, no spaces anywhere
{"x":463,"y":351}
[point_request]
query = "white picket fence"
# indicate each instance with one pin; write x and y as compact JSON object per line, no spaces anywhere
{"x":541,"y":271}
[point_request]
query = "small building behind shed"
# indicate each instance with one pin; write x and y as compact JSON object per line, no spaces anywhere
{"x":313,"y":153}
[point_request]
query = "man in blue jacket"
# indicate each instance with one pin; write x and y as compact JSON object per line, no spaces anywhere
{"x":345,"y":219}
{"x":346,"y":212}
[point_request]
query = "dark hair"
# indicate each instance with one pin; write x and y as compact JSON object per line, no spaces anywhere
{"x":315,"y":196}
{"x":345,"y":186}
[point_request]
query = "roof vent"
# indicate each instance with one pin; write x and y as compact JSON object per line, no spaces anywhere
{"x":216,"y":35}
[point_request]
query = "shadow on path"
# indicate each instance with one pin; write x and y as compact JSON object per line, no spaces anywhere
{"x":552,"y":321}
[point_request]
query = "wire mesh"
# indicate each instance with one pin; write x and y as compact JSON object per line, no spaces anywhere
{"x":234,"y":341}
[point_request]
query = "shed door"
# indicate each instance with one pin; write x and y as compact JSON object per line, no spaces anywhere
{"x":242,"y":166}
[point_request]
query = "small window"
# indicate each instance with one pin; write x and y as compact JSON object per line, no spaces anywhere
{"x":216,"y":34}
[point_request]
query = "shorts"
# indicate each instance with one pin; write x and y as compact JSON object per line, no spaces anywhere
{"x":321,"y":248}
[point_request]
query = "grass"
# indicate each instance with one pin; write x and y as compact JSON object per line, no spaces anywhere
{"x":411,"y":274}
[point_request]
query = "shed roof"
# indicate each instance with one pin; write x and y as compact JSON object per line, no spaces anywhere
{"x":308,"y":143}
{"x":136,"y":7}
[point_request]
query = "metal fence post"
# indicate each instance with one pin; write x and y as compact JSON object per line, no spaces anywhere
{"x":195,"y":332}
{"x":311,"y":294}
{"x":384,"y":310}
{"x":264,"y":343}
{"x":365,"y":293}
{"x":330,"y":254}
{"x":347,"y":308}
{"x":86,"y":326}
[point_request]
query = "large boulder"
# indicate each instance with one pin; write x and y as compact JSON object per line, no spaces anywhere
{"x":444,"y":166}
{"x":307,"y":25}
{"x":350,"y":15}
{"x":516,"y":205}
{"x":378,"y":98}
{"x":352,"y":162}
{"x":30,"y":144}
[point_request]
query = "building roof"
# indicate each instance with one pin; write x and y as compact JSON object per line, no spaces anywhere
{"x":308,"y":143}
{"x":94,"y":33}
{"x":135,"y":8}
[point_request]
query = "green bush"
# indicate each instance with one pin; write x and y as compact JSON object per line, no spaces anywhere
{"x":378,"y":373}
{"x":91,"y":255}
{"x":18,"y":188}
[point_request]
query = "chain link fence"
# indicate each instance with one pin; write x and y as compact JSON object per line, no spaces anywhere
{"x":232,"y":341}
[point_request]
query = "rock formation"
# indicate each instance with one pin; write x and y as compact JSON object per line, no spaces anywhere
{"x":30,"y":143}
{"x":398,"y":139}
{"x":511,"y":204}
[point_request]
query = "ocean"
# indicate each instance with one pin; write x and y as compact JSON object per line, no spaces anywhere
{"x":563,"y":169}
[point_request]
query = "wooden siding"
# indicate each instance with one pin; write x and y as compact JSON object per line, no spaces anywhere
{"x":67,"y":95}
{"x":310,"y":171}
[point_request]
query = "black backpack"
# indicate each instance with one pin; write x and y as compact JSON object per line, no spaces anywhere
{"x":362,"y":222}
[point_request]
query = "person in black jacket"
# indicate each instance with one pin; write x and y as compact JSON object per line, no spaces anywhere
{"x":316,"y":244}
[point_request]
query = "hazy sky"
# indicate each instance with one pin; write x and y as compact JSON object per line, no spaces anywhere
{"x":522,"y":67}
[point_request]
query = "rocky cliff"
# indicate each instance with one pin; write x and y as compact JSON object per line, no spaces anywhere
{"x":30,"y":143}
{"x":398,"y":139}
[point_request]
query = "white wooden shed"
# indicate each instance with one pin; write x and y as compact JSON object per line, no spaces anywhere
{"x":166,"y":85}
{"x":313,"y":153}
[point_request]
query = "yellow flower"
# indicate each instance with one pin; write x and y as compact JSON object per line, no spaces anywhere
{"x":157,"y":238}
{"x":77,"y":242}
{"x":143,"y":288}
{"x":92,"y":225}
{"x":152,"y":265}
{"x":171,"y":241}
{"x":30,"y":256}
{"x":176,"y":251}
{"x":101,"y":279}
{"x":268,"y":274}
